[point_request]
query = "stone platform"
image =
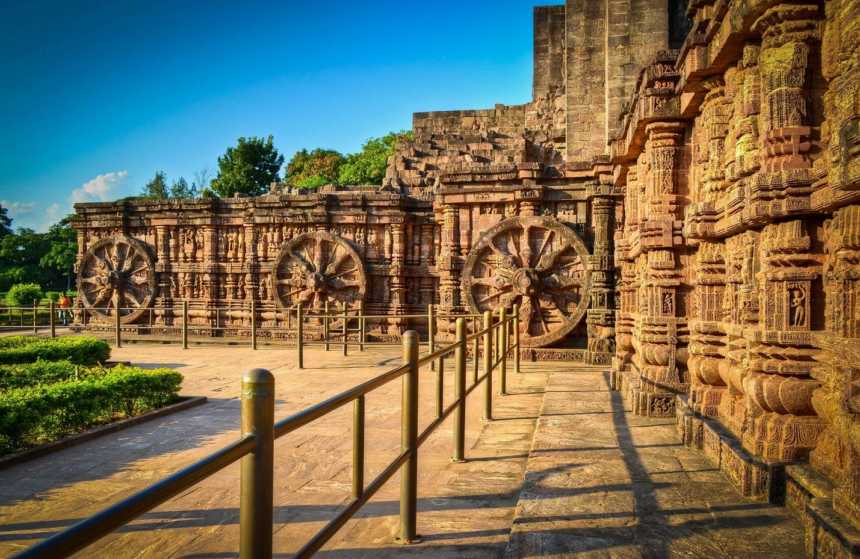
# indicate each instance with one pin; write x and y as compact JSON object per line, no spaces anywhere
{"x":563,"y":471}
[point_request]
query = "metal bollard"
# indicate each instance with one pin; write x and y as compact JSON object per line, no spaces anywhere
{"x":517,"y":339}
{"x":253,"y":324}
{"x":475,"y":348}
{"x":362,"y":327}
{"x":35,"y":310}
{"x":344,"y":329}
{"x":503,"y":350}
{"x":488,"y":367}
{"x":51,"y":321}
{"x":256,"y":493}
{"x":460,"y":392}
{"x":409,"y":441}
{"x":358,"y":448}
{"x":440,"y":386}
{"x":300,"y":333}
{"x":185,"y":324}
{"x":117,"y":320}
{"x":326,"y":333}
{"x":431,"y":333}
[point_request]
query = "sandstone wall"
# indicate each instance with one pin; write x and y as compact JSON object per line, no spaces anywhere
{"x":737,"y":253}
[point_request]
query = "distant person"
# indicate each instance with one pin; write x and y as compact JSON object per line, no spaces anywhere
{"x":65,"y":305}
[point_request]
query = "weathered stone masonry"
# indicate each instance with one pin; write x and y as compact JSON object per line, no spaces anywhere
{"x":680,"y":199}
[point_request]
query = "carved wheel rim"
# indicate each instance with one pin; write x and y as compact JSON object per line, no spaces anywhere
{"x":117,"y":273}
{"x":317,"y":267}
{"x":538,"y":263}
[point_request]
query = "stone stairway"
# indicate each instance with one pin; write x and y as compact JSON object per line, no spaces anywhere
{"x":601,"y":482}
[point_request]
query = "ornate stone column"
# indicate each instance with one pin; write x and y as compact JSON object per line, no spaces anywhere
{"x":601,"y":313}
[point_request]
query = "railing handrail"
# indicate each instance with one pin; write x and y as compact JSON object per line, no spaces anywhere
{"x":88,"y":531}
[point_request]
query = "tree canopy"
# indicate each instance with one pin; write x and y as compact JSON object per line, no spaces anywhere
{"x":156,"y":188}
{"x":5,"y":222}
{"x":248,"y":168}
{"x":368,"y":165}
{"x":312,"y":169}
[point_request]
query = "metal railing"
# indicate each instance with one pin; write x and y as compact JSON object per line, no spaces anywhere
{"x":34,"y":318}
{"x":255,"y":447}
{"x":296,"y":320}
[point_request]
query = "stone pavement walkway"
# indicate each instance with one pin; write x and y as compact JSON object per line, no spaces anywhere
{"x":598,"y":481}
{"x":465,"y":510}
{"x":601,"y":482}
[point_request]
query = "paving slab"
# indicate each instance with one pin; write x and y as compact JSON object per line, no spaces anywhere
{"x":465,"y":510}
{"x":602,"y":483}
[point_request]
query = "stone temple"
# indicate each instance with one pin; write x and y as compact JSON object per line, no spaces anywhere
{"x":679,"y":202}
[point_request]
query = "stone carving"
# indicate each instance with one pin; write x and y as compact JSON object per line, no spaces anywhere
{"x":117,"y":273}
{"x":317,"y":267}
{"x":537,"y":263}
{"x":712,"y":245}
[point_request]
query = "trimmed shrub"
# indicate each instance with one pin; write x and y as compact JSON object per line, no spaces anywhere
{"x":17,"y":341}
{"x":30,"y":416}
{"x":78,"y":350}
{"x":44,"y":372}
{"x":23,"y":294}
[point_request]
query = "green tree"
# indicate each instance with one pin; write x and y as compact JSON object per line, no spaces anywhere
{"x":248,"y":168}
{"x":5,"y":222}
{"x":60,"y":258}
{"x":156,"y":189}
{"x":312,"y":169}
{"x":181,"y":189}
{"x":368,"y":166}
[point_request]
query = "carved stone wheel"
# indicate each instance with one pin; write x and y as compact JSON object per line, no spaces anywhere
{"x":317,"y":267}
{"x":538,"y":263}
{"x":117,"y":272}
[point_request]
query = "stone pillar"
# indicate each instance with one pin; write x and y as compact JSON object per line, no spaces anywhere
{"x":601,"y":314}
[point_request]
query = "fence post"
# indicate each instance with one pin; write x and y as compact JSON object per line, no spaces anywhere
{"x":409,"y":440}
{"x":440,"y":386}
{"x":35,"y":314}
{"x":431,"y":333}
{"x":475,"y":344}
{"x":358,"y":448}
{"x":300,"y":331}
{"x":118,"y":333}
{"x":362,"y":329}
{"x":345,"y":328}
{"x":51,"y":321}
{"x":460,"y":392}
{"x":255,"y":510}
{"x":185,"y":324}
{"x":326,"y":310}
{"x":488,"y":366}
{"x":517,"y":339}
{"x":503,"y":349}
{"x":253,"y":324}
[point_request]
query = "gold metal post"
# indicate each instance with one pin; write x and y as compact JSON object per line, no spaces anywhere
{"x":256,"y":494}
{"x":488,"y":366}
{"x":409,"y":441}
{"x":460,"y":392}
{"x":300,"y":334}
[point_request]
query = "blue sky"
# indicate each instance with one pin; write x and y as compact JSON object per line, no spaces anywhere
{"x":97,"y":96}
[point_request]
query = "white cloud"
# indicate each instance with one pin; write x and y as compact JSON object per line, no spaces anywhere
{"x":100,"y":189}
{"x":17,"y":209}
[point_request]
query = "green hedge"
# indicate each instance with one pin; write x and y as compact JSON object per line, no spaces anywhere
{"x":78,"y":350}
{"x":44,"y":372}
{"x":34,"y":415}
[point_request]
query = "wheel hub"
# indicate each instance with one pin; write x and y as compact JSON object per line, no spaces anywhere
{"x":526,"y":282}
